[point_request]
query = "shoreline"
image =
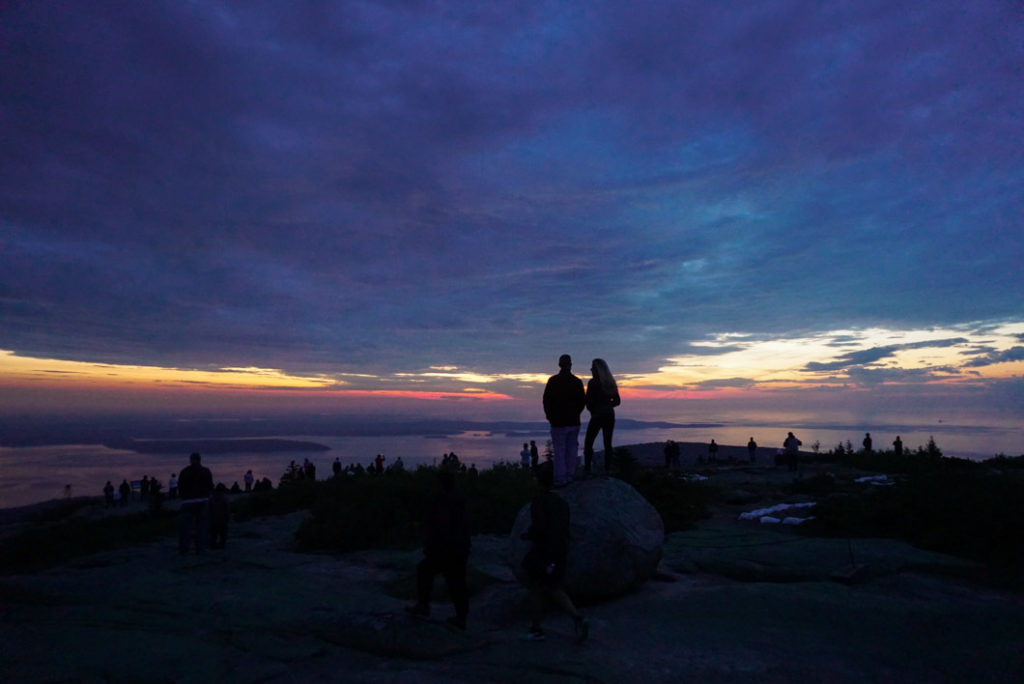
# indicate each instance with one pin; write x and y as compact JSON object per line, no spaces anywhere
{"x":229,"y":466}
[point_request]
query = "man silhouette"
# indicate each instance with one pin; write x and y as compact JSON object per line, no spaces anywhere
{"x":195,"y":484}
{"x":564,"y":400}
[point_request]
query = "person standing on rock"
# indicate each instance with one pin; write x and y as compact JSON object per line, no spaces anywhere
{"x":195,"y":484}
{"x":545,"y":562}
{"x":602,"y":397}
{"x":446,"y":546}
{"x":752,"y":449}
{"x":564,"y":401}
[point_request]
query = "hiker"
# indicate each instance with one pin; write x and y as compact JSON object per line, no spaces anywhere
{"x":671,"y":455}
{"x":195,"y":484}
{"x":791,"y":445}
{"x":219,"y":515}
{"x":545,"y":562}
{"x":446,"y":545}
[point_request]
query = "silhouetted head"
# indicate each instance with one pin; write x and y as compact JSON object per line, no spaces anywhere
{"x":545,"y":474}
{"x":565,"y":362}
{"x":599,"y":367}
{"x":194,"y":459}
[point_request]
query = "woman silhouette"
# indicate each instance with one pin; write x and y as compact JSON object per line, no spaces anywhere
{"x":602,"y":398}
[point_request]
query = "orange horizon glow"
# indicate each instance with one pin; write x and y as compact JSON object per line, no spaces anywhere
{"x":744,"y":367}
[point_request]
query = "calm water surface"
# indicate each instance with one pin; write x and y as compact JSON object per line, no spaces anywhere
{"x":32,"y":474}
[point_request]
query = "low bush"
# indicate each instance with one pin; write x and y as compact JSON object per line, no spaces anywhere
{"x":971,"y":512}
{"x":680,"y":503}
{"x":376,"y":510}
{"x":46,"y":544}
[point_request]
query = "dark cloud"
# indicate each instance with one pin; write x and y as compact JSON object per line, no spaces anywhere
{"x":867,"y":356}
{"x":370,"y":186}
{"x":992,"y":357}
{"x":726,"y":383}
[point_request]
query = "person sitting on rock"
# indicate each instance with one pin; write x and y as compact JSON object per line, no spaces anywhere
{"x":445,"y":550}
{"x":545,"y":562}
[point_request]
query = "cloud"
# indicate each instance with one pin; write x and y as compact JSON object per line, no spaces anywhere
{"x":863,"y":357}
{"x":993,"y":357}
{"x":726,"y":383}
{"x":383,"y":187}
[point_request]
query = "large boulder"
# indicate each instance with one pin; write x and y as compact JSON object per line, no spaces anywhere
{"x":616,"y":539}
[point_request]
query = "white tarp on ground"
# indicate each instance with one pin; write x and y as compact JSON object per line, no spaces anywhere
{"x":767,"y":516}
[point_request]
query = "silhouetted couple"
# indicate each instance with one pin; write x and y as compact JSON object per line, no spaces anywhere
{"x":564,"y":401}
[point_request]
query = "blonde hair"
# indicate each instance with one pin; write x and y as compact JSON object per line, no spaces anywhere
{"x":604,"y":376}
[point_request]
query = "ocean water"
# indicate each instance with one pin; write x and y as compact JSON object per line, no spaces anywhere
{"x":33,"y":474}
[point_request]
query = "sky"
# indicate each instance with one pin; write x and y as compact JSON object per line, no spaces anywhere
{"x":773,"y":207}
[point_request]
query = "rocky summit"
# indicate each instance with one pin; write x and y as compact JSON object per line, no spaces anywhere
{"x":733,"y":600}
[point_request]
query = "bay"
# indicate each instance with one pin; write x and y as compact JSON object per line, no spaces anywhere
{"x":32,"y":474}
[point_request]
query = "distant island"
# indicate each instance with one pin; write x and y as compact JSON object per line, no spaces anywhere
{"x":213,"y":446}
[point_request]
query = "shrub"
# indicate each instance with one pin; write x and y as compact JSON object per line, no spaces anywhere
{"x":679,"y":502}
{"x":946,"y":505}
{"x":43,"y":545}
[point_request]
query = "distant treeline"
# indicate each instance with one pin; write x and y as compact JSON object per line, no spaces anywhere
{"x":213,"y":446}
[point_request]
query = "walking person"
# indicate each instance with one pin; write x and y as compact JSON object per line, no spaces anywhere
{"x":445,"y":550}
{"x":602,"y":397}
{"x":564,"y":401}
{"x":545,"y":562}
